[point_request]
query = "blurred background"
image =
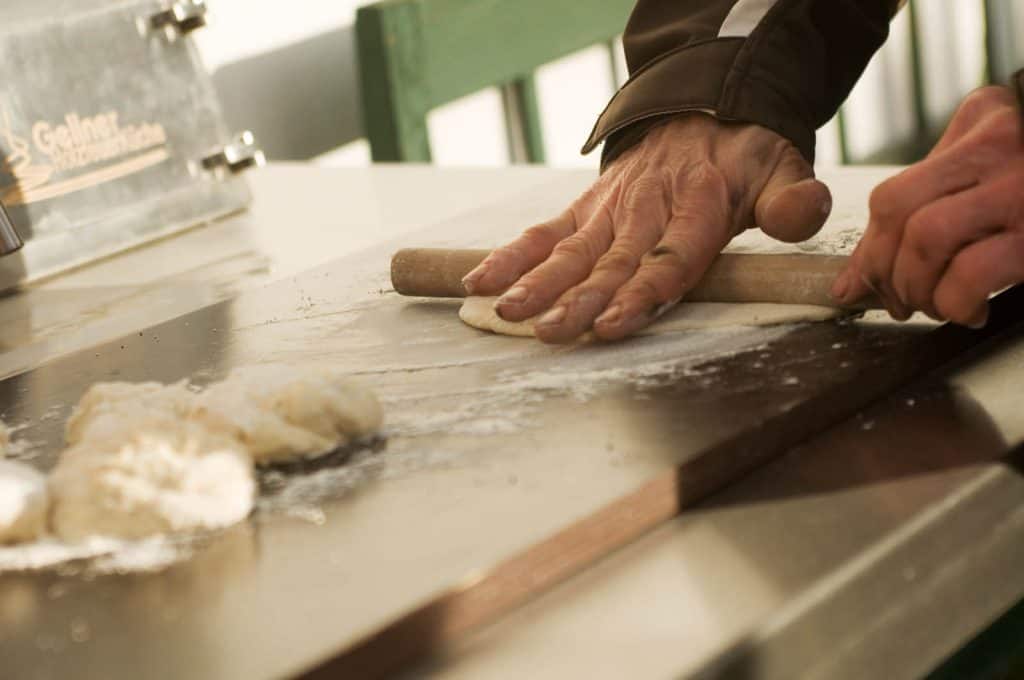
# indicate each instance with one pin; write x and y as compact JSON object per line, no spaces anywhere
{"x":291,"y":72}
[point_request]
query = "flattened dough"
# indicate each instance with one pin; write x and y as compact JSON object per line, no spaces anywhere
{"x":478,"y":312}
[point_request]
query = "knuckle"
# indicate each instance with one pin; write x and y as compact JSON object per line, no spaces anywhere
{"x":649,"y":291}
{"x":667,"y":256}
{"x":1005,"y":124}
{"x":589,"y":195}
{"x":575,"y":247}
{"x":996,"y":134}
{"x":540,"y":234}
{"x":963,"y":290}
{"x":1015,"y":212}
{"x":979,"y":99}
{"x":703,"y":175}
{"x":643,"y":193}
{"x":507,"y":254}
{"x":983,"y":100}
{"x":926,"y":233}
{"x":882,"y":202}
{"x":1017,"y":252}
{"x":599,"y":193}
{"x":617,"y":260}
{"x":663,"y":276}
{"x":702,"y":195}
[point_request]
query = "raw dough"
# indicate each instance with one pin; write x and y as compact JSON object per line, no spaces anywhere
{"x":281,"y":413}
{"x":23,"y":502}
{"x":147,"y":459}
{"x":149,"y":477}
{"x":478,"y":312}
{"x":106,"y":409}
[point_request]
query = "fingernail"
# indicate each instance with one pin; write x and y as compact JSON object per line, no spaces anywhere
{"x":842,"y":286}
{"x":553,"y":316}
{"x":470,"y":280}
{"x":979,"y":322}
{"x":896,"y":310}
{"x":610,"y":315}
{"x":515,"y":296}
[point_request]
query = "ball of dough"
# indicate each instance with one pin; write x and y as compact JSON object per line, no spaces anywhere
{"x":23,"y":502}
{"x":107,"y":409}
{"x":282,"y":413}
{"x":157,"y":476}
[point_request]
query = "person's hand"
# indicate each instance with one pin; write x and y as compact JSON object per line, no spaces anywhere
{"x":651,"y":225}
{"x":948,"y":231}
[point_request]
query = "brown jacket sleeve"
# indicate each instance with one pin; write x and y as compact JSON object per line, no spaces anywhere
{"x":783,"y":64}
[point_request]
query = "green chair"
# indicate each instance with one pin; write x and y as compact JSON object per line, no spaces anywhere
{"x":417,"y":55}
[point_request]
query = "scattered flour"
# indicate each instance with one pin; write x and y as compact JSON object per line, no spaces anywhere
{"x":104,"y":555}
{"x":511,"y":401}
{"x":506,"y":403}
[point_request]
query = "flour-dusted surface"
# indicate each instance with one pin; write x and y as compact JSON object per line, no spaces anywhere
{"x":454,"y":399}
{"x":431,"y":505}
{"x":455,"y":415}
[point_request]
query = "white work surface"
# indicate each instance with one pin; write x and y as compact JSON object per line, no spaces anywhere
{"x":291,"y":228}
{"x":736,"y":570}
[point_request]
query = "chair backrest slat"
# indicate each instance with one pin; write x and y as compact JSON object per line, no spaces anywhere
{"x":417,"y":55}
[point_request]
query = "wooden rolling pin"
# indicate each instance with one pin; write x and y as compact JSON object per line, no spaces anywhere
{"x":734,"y":277}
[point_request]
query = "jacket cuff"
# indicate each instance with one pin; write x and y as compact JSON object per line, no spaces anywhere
{"x":696,"y":78}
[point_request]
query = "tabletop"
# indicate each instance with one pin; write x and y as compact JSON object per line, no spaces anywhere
{"x":882,"y":544}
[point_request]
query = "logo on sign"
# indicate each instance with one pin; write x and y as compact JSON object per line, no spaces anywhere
{"x":92,"y":149}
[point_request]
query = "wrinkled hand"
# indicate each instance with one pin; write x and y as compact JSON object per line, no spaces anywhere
{"x":948,"y":231}
{"x":649,"y":228}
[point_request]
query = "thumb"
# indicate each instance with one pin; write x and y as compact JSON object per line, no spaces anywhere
{"x":793,"y":205}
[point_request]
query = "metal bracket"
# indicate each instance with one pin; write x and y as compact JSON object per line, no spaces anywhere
{"x":236,"y":156}
{"x":185,"y":16}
